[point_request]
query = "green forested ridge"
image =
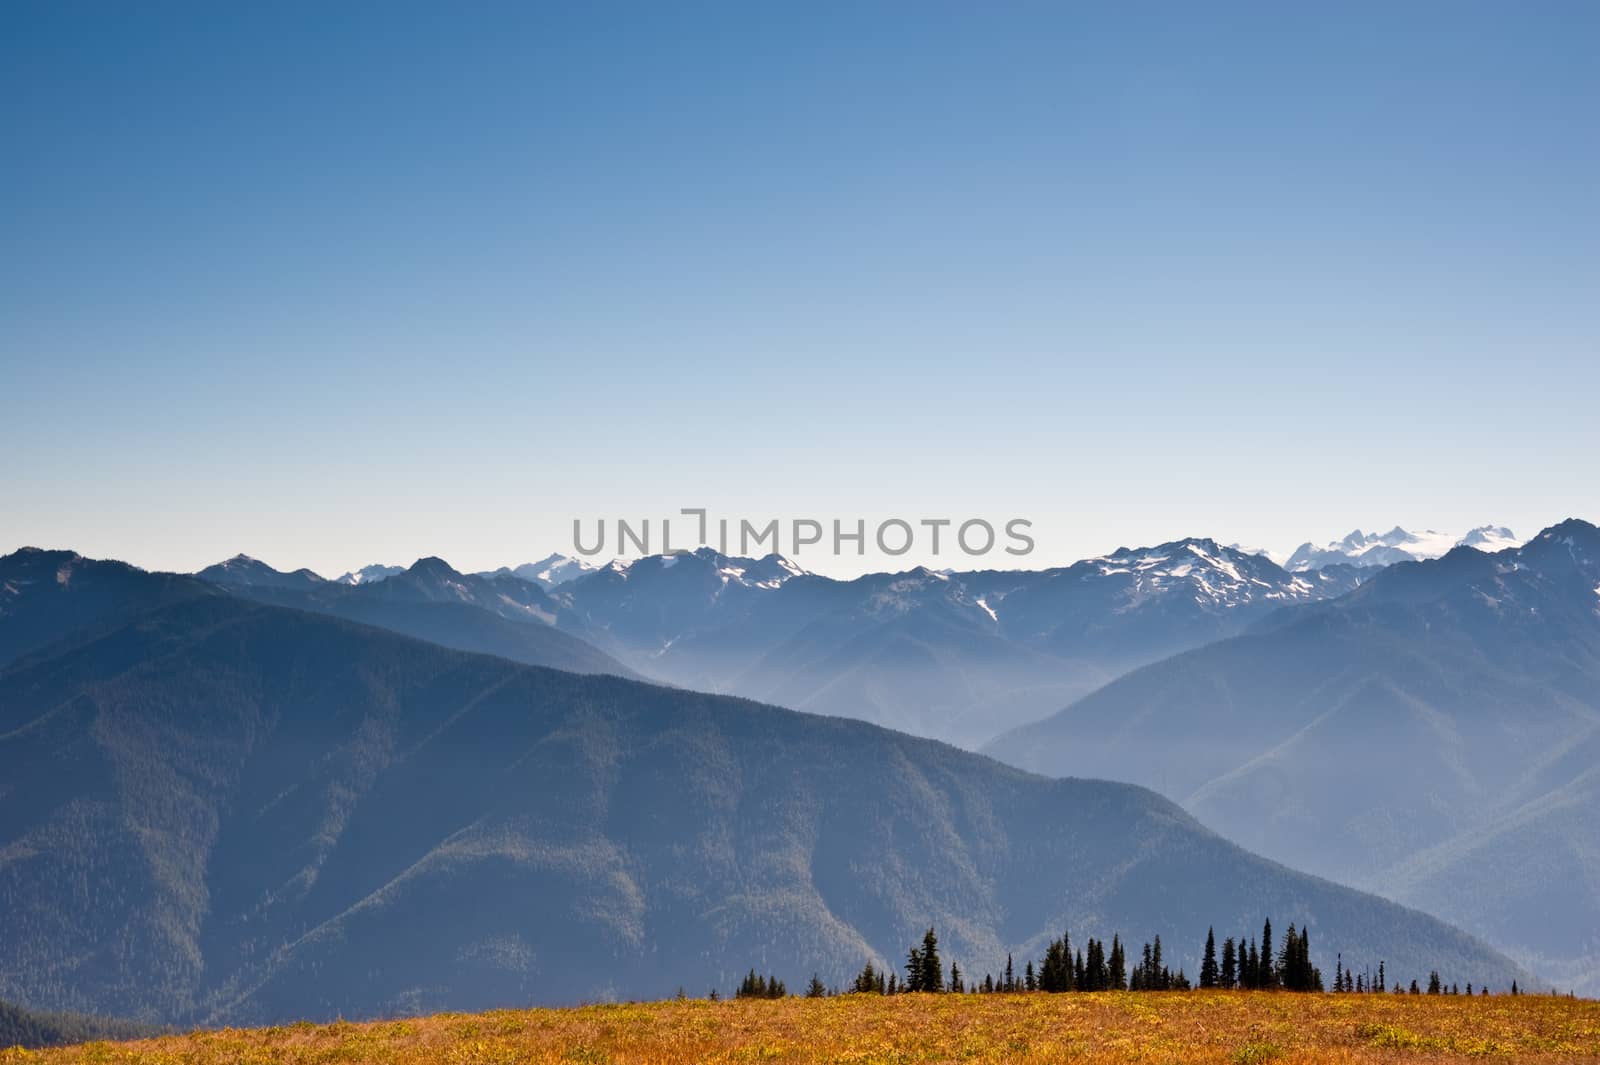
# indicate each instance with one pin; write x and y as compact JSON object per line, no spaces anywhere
{"x":232,"y":811}
{"x":28,"y":1028}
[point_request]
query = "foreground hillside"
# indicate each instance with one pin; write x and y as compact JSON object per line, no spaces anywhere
{"x":231,"y":812}
{"x":1219,"y":1027}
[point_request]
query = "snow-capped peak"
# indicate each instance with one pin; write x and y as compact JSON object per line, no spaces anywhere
{"x":551,"y":570}
{"x":1490,"y":538}
{"x":371,"y":574}
{"x":769,"y":571}
{"x":1397,"y":545}
{"x":1211,"y":575}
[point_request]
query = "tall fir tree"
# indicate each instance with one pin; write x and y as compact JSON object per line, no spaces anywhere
{"x":1264,"y":973}
{"x":1208,"y":965}
{"x":932,"y":970}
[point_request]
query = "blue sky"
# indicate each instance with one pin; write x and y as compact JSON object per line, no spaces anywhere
{"x":333,"y":284}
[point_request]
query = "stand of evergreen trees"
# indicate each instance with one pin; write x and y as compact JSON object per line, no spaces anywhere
{"x":34,"y":1029}
{"x":757,"y":986}
{"x":1243,"y":965}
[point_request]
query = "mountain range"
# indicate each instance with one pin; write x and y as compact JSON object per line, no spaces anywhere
{"x":954,"y":656}
{"x":1397,"y":545}
{"x":957,"y":656}
{"x":216,"y":809}
{"x":491,"y":614}
{"x":1434,"y":736}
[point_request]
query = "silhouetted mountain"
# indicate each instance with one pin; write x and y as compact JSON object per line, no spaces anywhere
{"x":229,"y":811}
{"x":954,"y":656}
{"x":46,"y":595}
{"x":242,"y":571}
{"x":1432,"y":735}
{"x":491,"y":615}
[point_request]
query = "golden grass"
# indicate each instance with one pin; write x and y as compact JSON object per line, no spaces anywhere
{"x":1204,"y":1027}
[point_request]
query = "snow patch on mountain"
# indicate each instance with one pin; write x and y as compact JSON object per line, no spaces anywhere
{"x":1214,"y":576}
{"x":548,"y":572}
{"x":370,"y":574}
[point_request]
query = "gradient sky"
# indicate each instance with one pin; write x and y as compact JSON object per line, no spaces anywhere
{"x":336,"y":284}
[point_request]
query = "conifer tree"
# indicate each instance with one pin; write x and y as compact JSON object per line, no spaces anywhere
{"x":1286,"y":960}
{"x":816,"y":989}
{"x":1229,"y":976}
{"x":913,"y":981}
{"x":1264,"y":973}
{"x":1011,"y":978}
{"x":1053,"y":970}
{"x":1208,"y":965}
{"x":932,"y":970}
{"x":1029,"y":981}
{"x":956,"y":985}
{"x":1119,"y":965}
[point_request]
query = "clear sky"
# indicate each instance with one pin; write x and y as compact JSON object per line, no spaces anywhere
{"x":333,"y":284}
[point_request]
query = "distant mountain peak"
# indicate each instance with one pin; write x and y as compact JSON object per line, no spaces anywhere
{"x":1365,"y":549}
{"x":243,"y":571}
{"x":1490,"y":539}
{"x":432,"y":566}
{"x":768,"y":572}
{"x":371,"y":574}
{"x":552,"y":570}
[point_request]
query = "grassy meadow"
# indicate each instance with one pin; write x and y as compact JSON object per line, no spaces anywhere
{"x":1222,"y":1027}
